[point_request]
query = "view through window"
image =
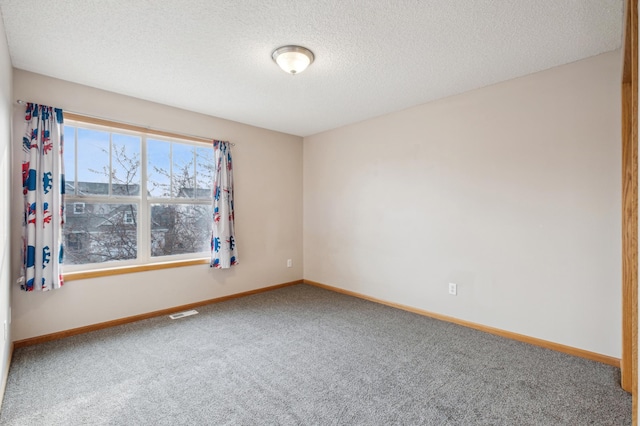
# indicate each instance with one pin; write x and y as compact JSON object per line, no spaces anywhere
{"x":134,"y":198}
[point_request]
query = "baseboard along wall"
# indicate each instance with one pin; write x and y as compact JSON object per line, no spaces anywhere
{"x":508,"y":334}
{"x":605,"y":359}
{"x":107,"y":324}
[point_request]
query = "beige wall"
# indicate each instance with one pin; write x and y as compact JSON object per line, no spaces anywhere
{"x":268,"y":182}
{"x":5,"y":189}
{"x":511,"y":191}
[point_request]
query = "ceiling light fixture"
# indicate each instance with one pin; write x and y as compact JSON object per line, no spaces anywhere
{"x":293,"y":59}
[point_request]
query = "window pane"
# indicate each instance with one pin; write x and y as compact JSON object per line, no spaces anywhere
{"x":159,"y":168}
{"x":98,"y":232}
{"x":93,"y":162}
{"x":125,"y":164}
{"x":204,"y":172}
{"x":183,"y":171}
{"x":108,"y":164}
{"x":180,"y":228}
{"x":69,"y":155}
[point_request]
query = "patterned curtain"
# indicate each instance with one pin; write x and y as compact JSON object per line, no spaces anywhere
{"x":43,"y":189}
{"x":224,"y":252}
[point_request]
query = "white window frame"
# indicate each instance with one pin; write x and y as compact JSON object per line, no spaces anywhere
{"x":142,"y":201}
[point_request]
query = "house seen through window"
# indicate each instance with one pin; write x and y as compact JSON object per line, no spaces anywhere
{"x":134,"y":198}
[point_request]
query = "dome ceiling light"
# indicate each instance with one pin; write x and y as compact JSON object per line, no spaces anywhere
{"x":293,"y":59}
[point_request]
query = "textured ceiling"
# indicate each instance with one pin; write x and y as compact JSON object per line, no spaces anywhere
{"x":372,"y":57}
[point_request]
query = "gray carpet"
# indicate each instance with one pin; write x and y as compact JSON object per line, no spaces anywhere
{"x":305,"y":356}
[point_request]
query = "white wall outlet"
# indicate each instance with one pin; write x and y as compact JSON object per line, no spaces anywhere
{"x":453,"y":289}
{"x":289,"y":263}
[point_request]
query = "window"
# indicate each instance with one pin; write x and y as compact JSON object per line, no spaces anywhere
{"x":136,"y":198}
{"x":128,"y":218}
{"x":73,"y":242}
{"x":78,"y":208}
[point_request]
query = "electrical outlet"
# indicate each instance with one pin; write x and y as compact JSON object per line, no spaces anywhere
{"x":453,"y":289}
{"x":289,"y":263}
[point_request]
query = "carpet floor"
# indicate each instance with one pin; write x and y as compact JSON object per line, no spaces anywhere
{"x":305,"y":356}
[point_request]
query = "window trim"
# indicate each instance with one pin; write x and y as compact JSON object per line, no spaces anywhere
{"x":107,"y":272}
{"x":134,"y":128}
{"x":146,"y":262}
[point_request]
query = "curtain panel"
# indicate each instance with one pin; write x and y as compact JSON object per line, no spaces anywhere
{"x":43,"y":188}
{"x":224,"y":252}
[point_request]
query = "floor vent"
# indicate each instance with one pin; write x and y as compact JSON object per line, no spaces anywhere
{"x":183,"y":314}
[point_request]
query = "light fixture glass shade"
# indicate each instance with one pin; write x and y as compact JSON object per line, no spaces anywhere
{"x":292,"y":59}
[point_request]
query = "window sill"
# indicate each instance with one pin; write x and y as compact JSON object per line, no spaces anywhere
{"x":81,"y":275}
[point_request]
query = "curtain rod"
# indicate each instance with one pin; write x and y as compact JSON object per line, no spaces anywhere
{"x":151,"y":129}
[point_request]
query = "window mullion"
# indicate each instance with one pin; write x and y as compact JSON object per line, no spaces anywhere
{"x":110,"y":164}
{"x":199,"y":201}
{"x":195,"y":176}
{"x":171,"y":170}
{"x":75,"y":161}
{"x":102,"y":199}
{"x":144,"y":218}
